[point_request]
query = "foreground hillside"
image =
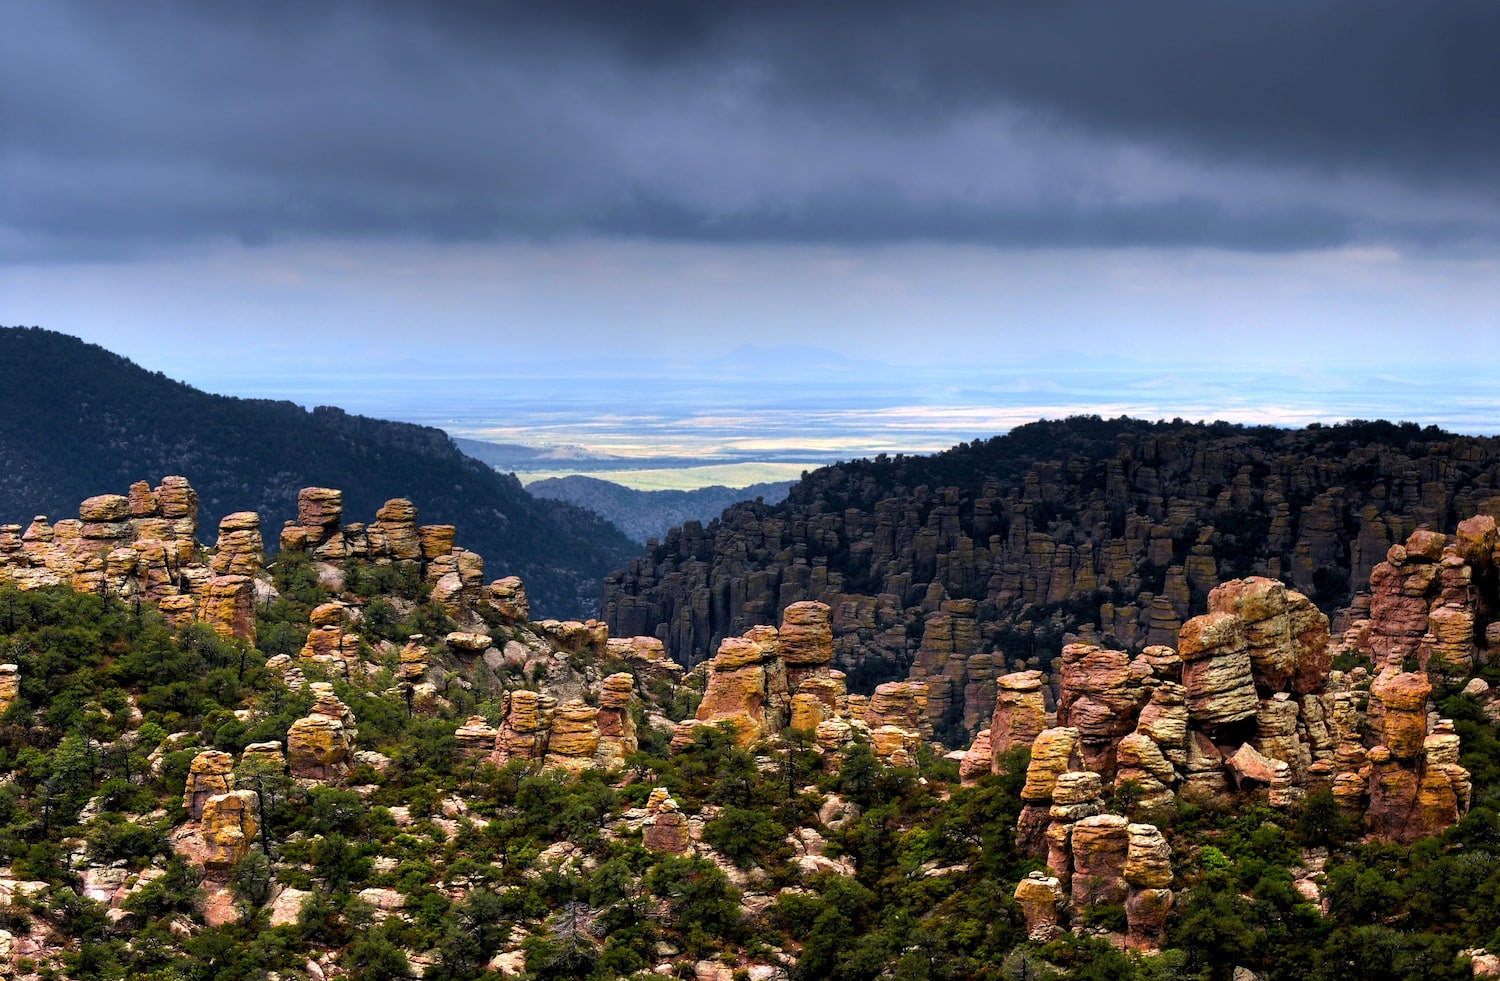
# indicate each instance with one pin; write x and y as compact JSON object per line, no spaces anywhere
{"x":957,"y":567}
{"x":91,"y":419}
{"x":645,"y":515}
{"x":365,"y":759}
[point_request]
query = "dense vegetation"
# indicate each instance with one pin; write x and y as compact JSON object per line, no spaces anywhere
{"x":113,"y":707}
{"x":92,"y":422}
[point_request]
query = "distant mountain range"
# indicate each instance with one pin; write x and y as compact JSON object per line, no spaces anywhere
{"x":516,"y":458}
{"x":649,"y":514}
{"x":81,"y":421}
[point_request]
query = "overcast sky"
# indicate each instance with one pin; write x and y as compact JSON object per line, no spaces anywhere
{"x":229,"y":190}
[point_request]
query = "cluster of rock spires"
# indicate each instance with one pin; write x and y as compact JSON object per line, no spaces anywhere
{"x":773,"y":678}
{"x":143,"y":544}
{"x":932,"y":565}
{"x":1248,"y":702}
{"x":572,"y":736}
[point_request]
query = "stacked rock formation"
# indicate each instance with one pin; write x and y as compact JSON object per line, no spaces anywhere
{"x":932,"y":564}
{"x":773,"y":677}
{"x":646,"y":656}
{"x":475,"y":739}
{"x":229,"y":825}
{"x":1097,"y":859}
{"x":330,"y":642}
{"x":1433,"y":601}
{"x":1248,"y":702}
{"x":211,"y":773}
{"x":320,"y":746}
{"x":617,"y":735}
{"x":455,"y":574}
{"x":572,"y":736}
{"x":141,"y":545}
{"x":666,"y":828}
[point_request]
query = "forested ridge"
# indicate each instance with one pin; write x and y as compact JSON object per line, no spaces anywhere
{"x":91,"y":421}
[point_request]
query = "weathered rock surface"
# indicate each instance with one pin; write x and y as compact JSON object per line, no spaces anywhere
{"x":10,"y":686}
{"x":229,"y":827}
{"x":320,"y":746}
{"x":1041,"y":898}
{"x":210,"y":773}
{"x":666,"y":827}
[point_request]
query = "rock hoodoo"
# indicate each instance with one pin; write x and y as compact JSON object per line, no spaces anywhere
{"x":320,"y":746}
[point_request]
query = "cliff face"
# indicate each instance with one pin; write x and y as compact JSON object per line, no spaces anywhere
{"x":955,"y":568}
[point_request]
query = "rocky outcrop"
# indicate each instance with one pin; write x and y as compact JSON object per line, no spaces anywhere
{"x":1432,"y":600}
{"x":572,"y":736}
{"x":211,"y":773}
{"x":523,"y":733}
{"x":752,"y":688}
{"x":475,"y":739}
{"x":229,"y":826}
{"x":141,"y":545}
{"x":10,"y":686}
{"x":320,"y":746}
{"x":1207,"y":719}
{"x":1097,"y":859}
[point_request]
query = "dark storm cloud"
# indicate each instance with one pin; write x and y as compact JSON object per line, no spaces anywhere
{"x":1275,"y":125}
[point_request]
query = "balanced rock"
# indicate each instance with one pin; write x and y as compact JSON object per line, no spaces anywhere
{"x":320,"y":746}
{"x":507,"y":597}
{"x":666,"y":828}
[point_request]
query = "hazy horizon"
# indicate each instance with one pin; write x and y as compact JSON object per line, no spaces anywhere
{"x":713,"y":229}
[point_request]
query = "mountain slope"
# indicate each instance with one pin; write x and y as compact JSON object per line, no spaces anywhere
{"x":88,"y":420}
{"x":649,"y":514}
